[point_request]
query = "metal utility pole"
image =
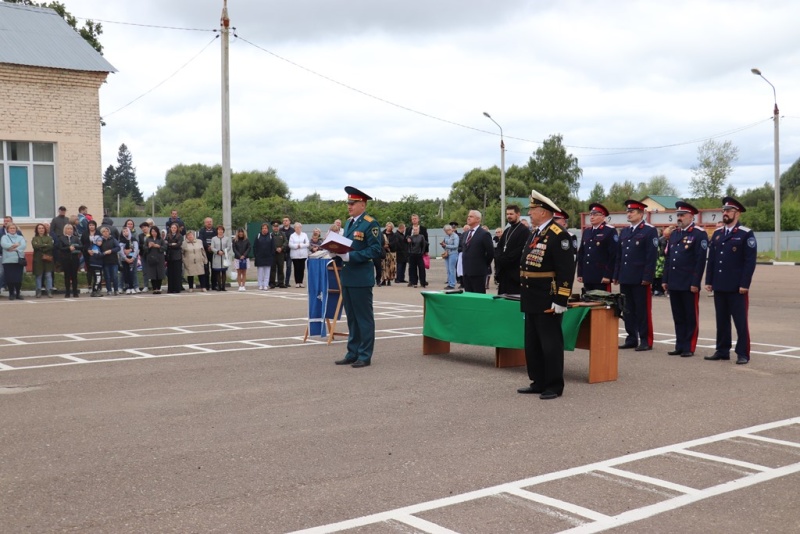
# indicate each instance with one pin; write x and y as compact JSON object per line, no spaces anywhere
{"x":226,"y":121}
{"x":776,"y":119}
{"x":502,"y":173}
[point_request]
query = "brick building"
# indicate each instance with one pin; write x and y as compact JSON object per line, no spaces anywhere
{"x":49,"y":117}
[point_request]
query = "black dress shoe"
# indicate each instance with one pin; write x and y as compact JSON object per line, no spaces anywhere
{"x":359,"y":364}
{"x":687,"y":354}
{"x":718,"y":356}
{"x":675,"y":352}
{"x":549,"y":395}
{"x":345,"y":361}
{"x":627,"y":346}
{"x":641,"y":348}
{"x":530,"y":389}
{"x":741,"y":360}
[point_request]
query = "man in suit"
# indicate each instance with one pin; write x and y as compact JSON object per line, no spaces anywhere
{"x":731,"y":264}
{"x":597,"y":253}
{"x":508,"y":252}
{"x":634,"y":272}
{"x":684,"y":263}
{"x":358,"y":278}
{"x":547,"y":267}
{"x":477,"y":254}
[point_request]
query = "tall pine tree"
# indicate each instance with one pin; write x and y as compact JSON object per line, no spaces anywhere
{"x":125,"y":183}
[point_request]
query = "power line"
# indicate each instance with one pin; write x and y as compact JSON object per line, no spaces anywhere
{"x":147,"y":25}
{"x":162,"y":82}
{"x":621,"y":150}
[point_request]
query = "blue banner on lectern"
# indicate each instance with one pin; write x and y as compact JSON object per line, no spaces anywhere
{"x":320,"y":306}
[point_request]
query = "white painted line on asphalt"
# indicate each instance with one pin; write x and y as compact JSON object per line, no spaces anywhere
{"x":215,"y":347}
{"x":724,"y":460}
{"x":649,"y":480}
{"x":557,"y":503}
{"x":181,"y":330}
{"x":772,"y":440}
{"x":423,"y":525}
{"x":665,"y":506}
{"x":14,"y":341}
{"x":199,"y":348}
{"x":129,"y":333}
{"x":74,"y":337}
{"x":606,"y":522}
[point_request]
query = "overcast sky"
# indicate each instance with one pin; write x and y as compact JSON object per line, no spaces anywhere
{"x":608,"y":76}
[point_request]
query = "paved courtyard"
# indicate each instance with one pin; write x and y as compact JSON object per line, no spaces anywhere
{"x":207,"y":412}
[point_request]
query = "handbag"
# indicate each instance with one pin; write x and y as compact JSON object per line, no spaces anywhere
{"x":242,"y":264}
{"x":47,"y":257}
{"x":22,"y":260}
{"x":445,"y":254}
{"x":426,"y":259}
{"x":225,"y":262}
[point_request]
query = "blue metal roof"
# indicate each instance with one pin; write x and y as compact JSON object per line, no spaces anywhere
{"x":38,"y":37}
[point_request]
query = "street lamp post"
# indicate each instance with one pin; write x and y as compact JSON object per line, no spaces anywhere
{"x":502,"y":171}
{"x":776,"y":143}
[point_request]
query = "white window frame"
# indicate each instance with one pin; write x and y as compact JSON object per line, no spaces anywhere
{"x":5,"y":179}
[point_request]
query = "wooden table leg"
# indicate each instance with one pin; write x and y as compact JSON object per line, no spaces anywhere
{"x":509,"y":357}
{"x":434,"y":346}
{"x":603,"y":346}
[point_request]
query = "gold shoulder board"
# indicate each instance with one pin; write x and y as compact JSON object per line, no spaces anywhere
{"x":368,"y":218}
{"x":556,"y":228}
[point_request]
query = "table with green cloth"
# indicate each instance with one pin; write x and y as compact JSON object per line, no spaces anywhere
{"x":486,"y":320}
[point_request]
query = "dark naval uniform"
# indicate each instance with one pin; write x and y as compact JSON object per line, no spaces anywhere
{"x":731,"y":264}
{"x":683,"y":269}
{"x":358,"y":278}
{"x":635,"y":265}
{"x":547,"y":268}
{"x":597,"y":256}
{"x":506,"y":258}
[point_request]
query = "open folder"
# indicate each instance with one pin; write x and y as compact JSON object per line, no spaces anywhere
{"x":337,"y":243}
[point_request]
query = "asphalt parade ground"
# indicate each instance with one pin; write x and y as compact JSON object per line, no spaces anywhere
{"x":206,"y":412}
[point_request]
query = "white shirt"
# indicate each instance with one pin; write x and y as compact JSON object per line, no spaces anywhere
{"x":298,"y":246}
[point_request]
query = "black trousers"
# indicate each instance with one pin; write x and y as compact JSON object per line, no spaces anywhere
{"x":299,"y":270}
{"x":416,"y":269}
{"x":69,"y":264}
{"x":544,"y":351}
{"x":474,"y":284}
{"x":732,"y":305}
{"x":685,"y":311}
{"x":638,"y":314}
{"x":276,"y":273}
{"x":209,"y":282}
{"x":401,"y":271}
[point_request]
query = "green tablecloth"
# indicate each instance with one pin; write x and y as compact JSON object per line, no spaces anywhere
{"x":478,"y":319}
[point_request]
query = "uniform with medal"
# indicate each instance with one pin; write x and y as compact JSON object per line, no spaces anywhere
{"x":358,"y":278}
{"x":634,"y":272}
{"x":597,"y":253}
{"x":547,"y":268}
{"x":729,"y":272}
{"x":683,"y":276}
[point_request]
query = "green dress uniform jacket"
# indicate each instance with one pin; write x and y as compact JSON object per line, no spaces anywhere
{"x":359,"y":271}
{"x":358,"y":278}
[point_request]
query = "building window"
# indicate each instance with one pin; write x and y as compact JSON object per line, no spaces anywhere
{"x":28,"y":174}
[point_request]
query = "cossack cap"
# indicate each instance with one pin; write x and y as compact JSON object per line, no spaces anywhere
{"x":631,"y":205}
{"x":730,"y":203}
{"x":685,"y":207}
{"x":596,"y":206}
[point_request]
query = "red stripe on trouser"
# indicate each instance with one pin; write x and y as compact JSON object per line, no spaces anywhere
{"x":649,"y":307}
{"x":747,"y":320}
{"x":696,"y":320}
{"x":608,"y":287}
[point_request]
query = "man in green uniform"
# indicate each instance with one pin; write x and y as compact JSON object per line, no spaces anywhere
{"x":358,"y":278}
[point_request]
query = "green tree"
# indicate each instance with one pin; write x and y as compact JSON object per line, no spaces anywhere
{"x":90,"y":31}
{"x":618,"y":194}
{"x":183,"y":182}
{"x":657,"y":185}
{"x":790,"y":180}
{"x":715,"y":162}
{"x":551,"y":166}
{"x":598,"y":193}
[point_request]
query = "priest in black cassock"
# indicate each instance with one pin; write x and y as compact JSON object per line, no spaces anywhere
{"x":508,"y":252}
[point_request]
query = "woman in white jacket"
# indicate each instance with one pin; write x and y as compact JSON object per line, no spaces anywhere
{"x":298,"y":252}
